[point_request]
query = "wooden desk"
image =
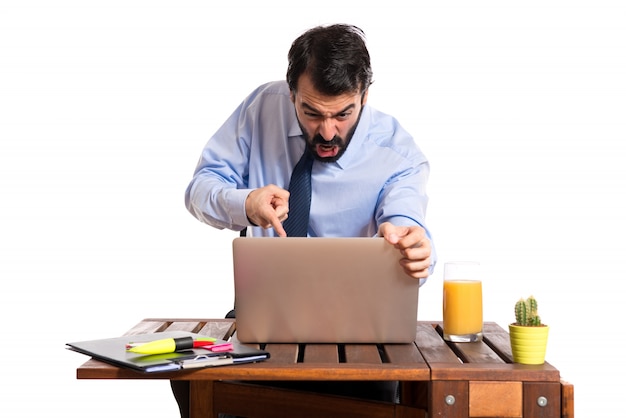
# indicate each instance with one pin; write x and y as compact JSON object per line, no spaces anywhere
{"x":444,"y":379}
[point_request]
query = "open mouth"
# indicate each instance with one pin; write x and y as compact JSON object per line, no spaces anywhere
{"x":327,"y":151}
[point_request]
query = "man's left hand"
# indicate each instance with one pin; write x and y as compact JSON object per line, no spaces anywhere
{"x":414,"y":246}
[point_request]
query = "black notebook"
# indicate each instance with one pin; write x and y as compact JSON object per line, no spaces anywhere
{"x":113,"y":351}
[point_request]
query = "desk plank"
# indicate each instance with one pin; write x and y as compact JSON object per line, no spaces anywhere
{"x":486,"y":360}
{"x":148,"y":326}
{"x":282,"y":353}
{"x":498,"y":340}
{"x":321,"y":353}
{"x":403,"y":354}
{"x":432,"y":347}
{"x":476,"y":352}
{"x":221,"y":329}
{"x":362,"y":353}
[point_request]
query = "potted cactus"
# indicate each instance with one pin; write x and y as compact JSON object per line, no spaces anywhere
{"x":529,"y":336}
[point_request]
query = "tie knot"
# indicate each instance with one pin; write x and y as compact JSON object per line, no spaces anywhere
{"x":306,"y":159}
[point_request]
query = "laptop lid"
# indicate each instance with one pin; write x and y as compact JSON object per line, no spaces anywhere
{"x":322,"y":290}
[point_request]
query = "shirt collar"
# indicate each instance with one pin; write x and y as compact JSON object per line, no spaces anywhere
{"x":354,"y":149}
{"x":294,"y":129}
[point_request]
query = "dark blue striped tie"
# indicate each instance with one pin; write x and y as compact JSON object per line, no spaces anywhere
{"x":297,"y":223}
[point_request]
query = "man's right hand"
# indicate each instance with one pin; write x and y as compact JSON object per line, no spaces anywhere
{"x":268,"y":207}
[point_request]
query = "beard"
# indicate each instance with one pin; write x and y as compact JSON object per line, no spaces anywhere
{"x":328,"y":151}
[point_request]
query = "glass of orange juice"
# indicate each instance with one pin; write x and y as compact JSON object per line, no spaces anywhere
{"x":462,"y":302}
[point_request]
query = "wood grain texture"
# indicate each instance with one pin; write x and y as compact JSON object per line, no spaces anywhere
{"x":480,"y":377}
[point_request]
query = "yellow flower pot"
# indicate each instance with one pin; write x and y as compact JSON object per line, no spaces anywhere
{"x":528,"y":344}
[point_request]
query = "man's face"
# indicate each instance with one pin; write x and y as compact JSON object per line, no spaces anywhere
{"x":327,"y":122}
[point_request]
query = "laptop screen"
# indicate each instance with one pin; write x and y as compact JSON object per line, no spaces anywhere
{"x":336,"y":290}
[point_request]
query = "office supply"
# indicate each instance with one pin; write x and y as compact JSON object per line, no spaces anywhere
{"x":220,"y":348}
{"x":317,"y":290}
{"x":168,"y":345}
{"x":113,"y":351}
{"x":196,"y":344}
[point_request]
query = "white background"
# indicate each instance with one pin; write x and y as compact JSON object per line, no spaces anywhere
{"x":106,"y":105}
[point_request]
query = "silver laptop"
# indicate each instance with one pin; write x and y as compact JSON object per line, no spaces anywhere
{"x":322,"y":290}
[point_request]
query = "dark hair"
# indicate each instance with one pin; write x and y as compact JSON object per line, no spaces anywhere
{"x":335,"y":57}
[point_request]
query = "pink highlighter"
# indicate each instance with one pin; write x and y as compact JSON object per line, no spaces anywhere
{"x":219,"y":347}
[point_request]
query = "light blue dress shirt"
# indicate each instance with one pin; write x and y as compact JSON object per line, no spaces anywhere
{"x":381,"y":177}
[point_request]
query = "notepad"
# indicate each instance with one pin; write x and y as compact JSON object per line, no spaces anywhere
{"x":322,"y":290}
{"x":113,"y":351}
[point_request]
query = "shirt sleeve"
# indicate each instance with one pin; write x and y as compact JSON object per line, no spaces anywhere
{"x":218,"y":190}
{"x":403,"y":200}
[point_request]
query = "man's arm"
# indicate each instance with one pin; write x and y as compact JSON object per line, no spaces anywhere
{"x":218,"y":191}
{"x":224,"y":193}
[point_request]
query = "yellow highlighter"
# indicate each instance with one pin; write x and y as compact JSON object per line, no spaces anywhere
{"x":168,"y":345}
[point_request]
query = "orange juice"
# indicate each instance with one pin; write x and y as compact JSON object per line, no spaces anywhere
{"x":462,"y":310}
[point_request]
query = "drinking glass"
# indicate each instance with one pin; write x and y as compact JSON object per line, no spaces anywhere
{"x":462,"y":302}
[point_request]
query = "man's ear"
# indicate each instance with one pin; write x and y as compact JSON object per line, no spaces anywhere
{"x":292,"y":96}
{"x":364,"y":97}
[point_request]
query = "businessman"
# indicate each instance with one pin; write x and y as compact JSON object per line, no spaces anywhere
{"x":363,"y":174}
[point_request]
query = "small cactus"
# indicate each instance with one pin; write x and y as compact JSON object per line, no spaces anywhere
{"x":526,"y":313}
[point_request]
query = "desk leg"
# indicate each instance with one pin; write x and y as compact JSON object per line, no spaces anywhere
{"x":542,"y":400}
{"x":201,"y":399}
{"x":567,"y":400}
{"x":414,"y":394}
{"x":449,"y":398}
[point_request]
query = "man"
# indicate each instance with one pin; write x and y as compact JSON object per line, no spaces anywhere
{"x":368,"y":177}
